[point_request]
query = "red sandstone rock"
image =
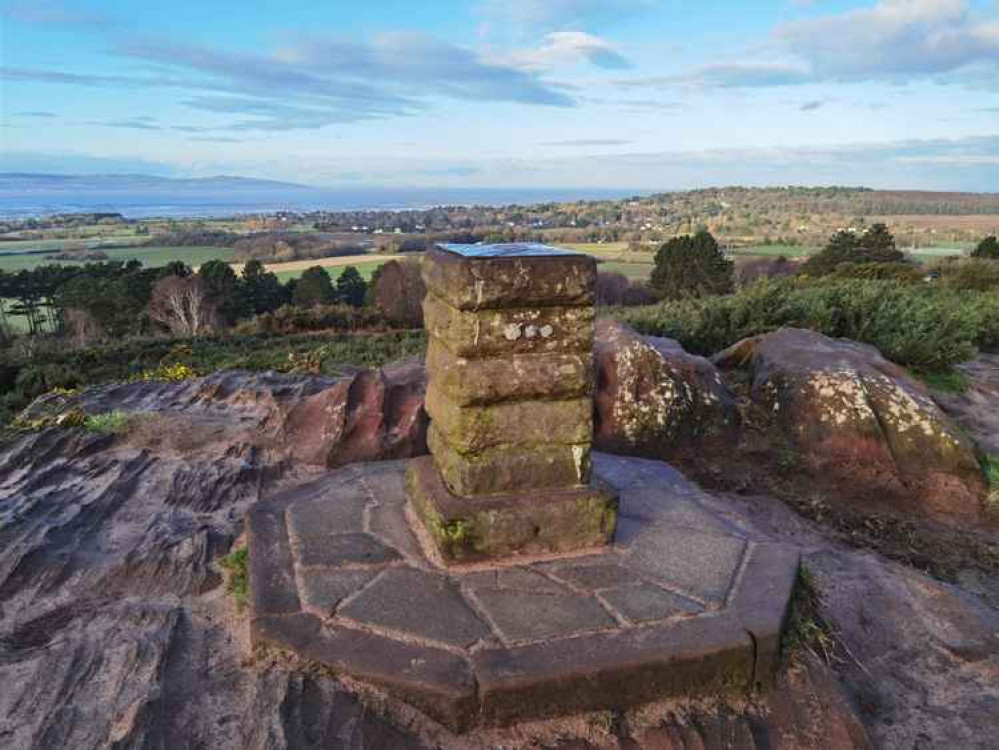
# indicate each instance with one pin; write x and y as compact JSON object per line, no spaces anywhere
{"x":655,"y":399}
{"x":856,"y":420}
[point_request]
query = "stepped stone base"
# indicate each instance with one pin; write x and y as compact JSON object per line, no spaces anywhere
{"x":682,"y":603}
{"x":495,"y":526}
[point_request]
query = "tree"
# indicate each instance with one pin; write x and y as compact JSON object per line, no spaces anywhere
{"x":314,"y":287}
{"x":876,"y":245}
{"x":987,"y":248}
{"x":98,"y":304}
{"x":260,"y":290}
{"x":691,"y":266}
{"x":351,"y":289}
{"x":222,"y":288}
{"x":181,"y":304}
{"x":397,"y":290}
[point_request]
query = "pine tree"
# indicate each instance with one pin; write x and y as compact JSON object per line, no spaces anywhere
{"x":691,"y":266}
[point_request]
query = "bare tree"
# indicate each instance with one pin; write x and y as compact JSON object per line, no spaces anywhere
{"x":181,"y":305}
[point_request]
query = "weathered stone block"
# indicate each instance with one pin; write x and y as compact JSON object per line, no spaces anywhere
{"x":510,"y":469}
{"x":477,"y":382}
{"x":471,"y":429}
{"x":510,"y":279}
{"x":547,"y":521}
{"x":502,"y":333}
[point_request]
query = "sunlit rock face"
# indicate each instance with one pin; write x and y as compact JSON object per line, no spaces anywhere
{"x":655,"y":399}
{"x":851,"y":416}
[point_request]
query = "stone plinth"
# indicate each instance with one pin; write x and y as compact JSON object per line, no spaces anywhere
{"x":682,"y":603}
{"x":510,"y":395}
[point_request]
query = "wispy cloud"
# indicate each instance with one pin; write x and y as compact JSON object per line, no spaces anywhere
{"x":53,"y":13}
{"x":216,"y":139}
{"x":589,"y":142}
{"x":37,"y":114}
{"x":131,"y":123}
{"x":562,"y":14}
{"x":947,"y":41}
{"x":813,"y":105}
{"x":317,"y":82}
{"x":729,"y":75}
{"x":896,"y":39}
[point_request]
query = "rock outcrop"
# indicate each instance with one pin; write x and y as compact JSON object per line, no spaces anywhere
{"x":116,"y":630}
{"x":977,"y":407}
{"x":853,"y":419}
{"x":363,"y":415}
{"x":654,"y":399}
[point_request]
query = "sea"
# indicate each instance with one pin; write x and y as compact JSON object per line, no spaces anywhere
{"x":163,"y":204}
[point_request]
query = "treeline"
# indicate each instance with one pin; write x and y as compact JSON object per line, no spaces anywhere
{"x":99,"y":302}
{"x":102,"y":301}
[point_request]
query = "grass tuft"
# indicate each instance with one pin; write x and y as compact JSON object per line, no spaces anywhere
{"x":108,"y":422}
{"x":238,"y":582}
{"x":948,"y":381}
{"x":807,"y":629}
{"x":990,"y":465}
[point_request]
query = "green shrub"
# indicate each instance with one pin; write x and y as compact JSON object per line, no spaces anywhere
{"x":290,"y":319}
{"x":912,"y":325}
{"x":157,"y":358}
{"x":901,"y":272}
{"x":968,"y":274}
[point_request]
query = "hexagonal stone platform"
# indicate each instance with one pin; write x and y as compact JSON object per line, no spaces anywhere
{"x":683,"y":602}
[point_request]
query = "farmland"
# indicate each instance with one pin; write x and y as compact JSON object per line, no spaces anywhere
{"x":27,"y":257}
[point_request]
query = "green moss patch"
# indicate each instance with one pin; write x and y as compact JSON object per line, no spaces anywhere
{"x":237,"y":579}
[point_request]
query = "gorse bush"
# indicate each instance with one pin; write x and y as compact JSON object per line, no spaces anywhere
{"x":166,"y":359}
{"x":289,"y":319}
{"x":968,"y":274}
{"x":919,"y":326}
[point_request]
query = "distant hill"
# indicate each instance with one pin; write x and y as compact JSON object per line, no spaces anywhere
{"x":109,"y":183}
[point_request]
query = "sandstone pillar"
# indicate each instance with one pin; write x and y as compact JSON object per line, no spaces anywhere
{"x":510,"y":396}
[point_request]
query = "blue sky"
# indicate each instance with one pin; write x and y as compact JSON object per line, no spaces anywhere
{"x":642,"y":94}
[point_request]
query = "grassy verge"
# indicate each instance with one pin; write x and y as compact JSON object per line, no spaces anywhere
{"x":237,"y":577}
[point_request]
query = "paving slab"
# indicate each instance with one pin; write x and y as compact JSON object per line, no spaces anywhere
{"x":703,"y":566}
{"x":646,"y":602}
{"x":531,"y":616}
{"x":419,"y":604}
{"x":342,"y":549}
{"x":688,"y":606}
{"x":322,"y":590}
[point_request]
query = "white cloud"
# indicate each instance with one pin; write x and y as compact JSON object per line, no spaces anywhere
{"x":894,"y":38}
{"x":946,"y":41}
{"x":569,"y":47}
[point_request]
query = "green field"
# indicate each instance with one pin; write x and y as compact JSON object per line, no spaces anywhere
{"x":773,"y":251}
{"x":366,"y":270}
{"x":150,"y":256}
{"x":634,"y":271}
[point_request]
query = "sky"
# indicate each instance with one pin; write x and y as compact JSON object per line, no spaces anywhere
{"x":617,"y":94}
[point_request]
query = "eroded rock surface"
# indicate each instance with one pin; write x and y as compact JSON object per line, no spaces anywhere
{"x":655,"y":399}
{"x":855,"y":419}
{"x":116,"y":630}
{"x":364,"y":415}
{"x":977,"y":408}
